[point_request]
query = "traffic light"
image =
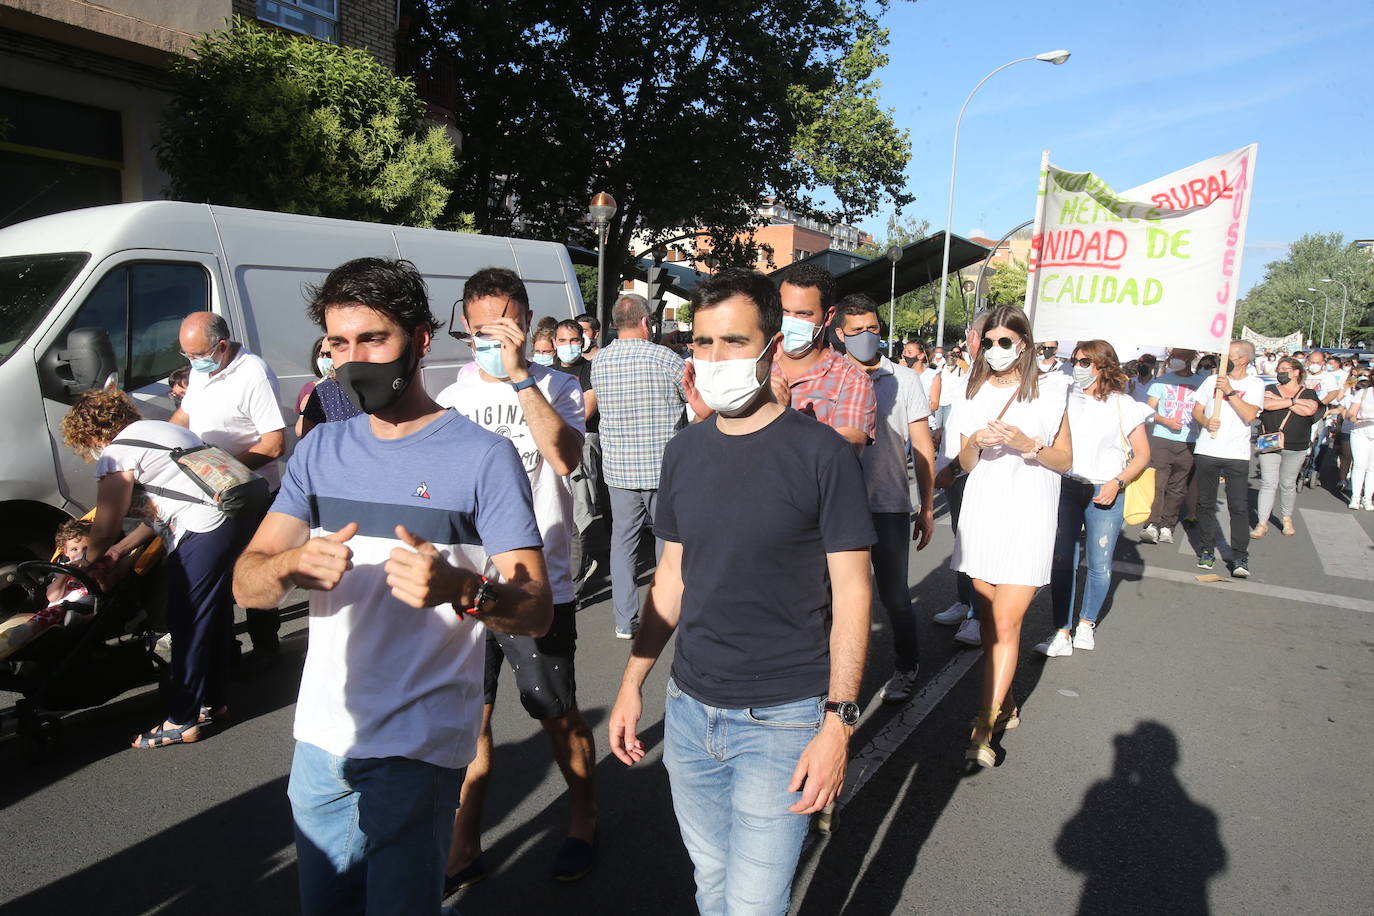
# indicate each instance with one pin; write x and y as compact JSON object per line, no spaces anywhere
{"x":659,"y":280}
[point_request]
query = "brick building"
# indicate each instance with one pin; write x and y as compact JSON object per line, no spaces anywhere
{"x":83,"y":87}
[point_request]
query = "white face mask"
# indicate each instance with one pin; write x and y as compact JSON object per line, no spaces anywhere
{"x":1000,"y":359}
{"x":729,"y":386}
{"x":1314,"y":368}
{"x":1082,"y":377}
{"x":798,"y":335}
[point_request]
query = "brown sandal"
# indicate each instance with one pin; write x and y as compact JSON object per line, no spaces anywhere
{"x":1288,"y":529}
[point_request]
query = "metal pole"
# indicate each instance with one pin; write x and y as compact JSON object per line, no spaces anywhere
{"x":949,"y":202}
{"x":1324,"y":308}
{"x":1345,"y":298}
{"x":892,"y":311}
{"x":1311,"y":318}
{"x":978,"y":289}
{"x":601,"y":281}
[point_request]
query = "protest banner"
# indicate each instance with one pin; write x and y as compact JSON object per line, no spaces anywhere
{"x":1157,"y":265}
{"x":1289,"y":344}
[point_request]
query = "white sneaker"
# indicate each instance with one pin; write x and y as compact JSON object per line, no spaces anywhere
{"x":1166,"y":535}
{"x":970,"y":633}
{"x":1058,"y":645}
{"x":1083,"y":636}
{"x":1369,"y":505}
{"x":953,"y":615}
{"x":1149,"y":534}
{"x":1354,"y":504}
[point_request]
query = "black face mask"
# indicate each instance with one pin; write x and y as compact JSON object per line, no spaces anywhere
{"x":1284,"y":378}
{"x":376,"y":386}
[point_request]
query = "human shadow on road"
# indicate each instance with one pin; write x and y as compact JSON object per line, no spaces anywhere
{"x":1142,"y":843}
{"x":862,"y":867}
{"x":226,"y":860}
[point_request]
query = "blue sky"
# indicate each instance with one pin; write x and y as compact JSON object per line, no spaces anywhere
{"x":1150,"y":88}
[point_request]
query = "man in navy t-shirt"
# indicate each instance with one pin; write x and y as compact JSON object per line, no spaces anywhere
{"x":765,"y":578}
{"x":391,"y":520}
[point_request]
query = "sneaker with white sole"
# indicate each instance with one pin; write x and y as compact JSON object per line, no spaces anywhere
{"x":899,"y":687}
{"x":953,"y":615}
{"x":1058,"y":645}
{"x":1149,"y":535}
{"x":1083,"y":636}
{"x":1166,"y":535}
{"x":969,"y":633}
{"x":1240,"y":567}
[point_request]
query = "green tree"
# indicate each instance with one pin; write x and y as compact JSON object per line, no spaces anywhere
{"x":264,"y":119}
{"x":688,"y":113}
{"x":586,"y":281}
{"x":1272,"y":308}
{"x":1007,"y":286}
{"x":899,"y":232}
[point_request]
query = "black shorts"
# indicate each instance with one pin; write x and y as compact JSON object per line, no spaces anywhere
{"x":544,"y":669}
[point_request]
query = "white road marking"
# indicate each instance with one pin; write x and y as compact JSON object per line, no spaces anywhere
{"x":1342,"y":545}
{"x":1321,"y":599}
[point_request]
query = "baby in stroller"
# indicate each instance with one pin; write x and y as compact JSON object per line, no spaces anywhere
{"x":69,"y":603}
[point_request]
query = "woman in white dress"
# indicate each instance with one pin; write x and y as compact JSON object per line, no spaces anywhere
{"x":1015,"y":442}
{"x":1111,"y":449}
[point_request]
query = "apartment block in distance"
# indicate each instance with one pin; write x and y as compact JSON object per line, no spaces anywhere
{"x":83,"y":87}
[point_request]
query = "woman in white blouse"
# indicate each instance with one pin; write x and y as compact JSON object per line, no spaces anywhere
{"x":1014,"y":443}
{"x":1102,"y":419}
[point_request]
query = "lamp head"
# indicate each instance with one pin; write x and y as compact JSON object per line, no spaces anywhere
{"x":1312,"y":289}
{"x":602,"y":207}
{"x":893,"y":253}
{"x":1054,"y":57}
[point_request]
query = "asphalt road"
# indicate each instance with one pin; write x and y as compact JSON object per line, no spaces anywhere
{"x":1211,"y":756}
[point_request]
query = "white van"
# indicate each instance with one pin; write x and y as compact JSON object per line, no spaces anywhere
{"x":88,"y":293}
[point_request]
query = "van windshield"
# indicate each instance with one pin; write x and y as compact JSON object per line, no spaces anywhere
{"x":29,"y":285}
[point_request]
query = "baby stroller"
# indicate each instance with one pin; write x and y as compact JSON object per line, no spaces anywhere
{"x":91,"y":660}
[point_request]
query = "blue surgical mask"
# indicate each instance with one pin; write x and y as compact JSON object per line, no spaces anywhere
{"x":797,"y":335}
{"x":487,"y":352}
{"x":325,"y":364}
{"x":204,"y":364}
{"x":543,"y":359}
{"x":863,"y":346}
{"x":569,"y":353}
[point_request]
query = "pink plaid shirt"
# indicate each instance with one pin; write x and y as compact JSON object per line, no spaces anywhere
{"x":837,"y":393}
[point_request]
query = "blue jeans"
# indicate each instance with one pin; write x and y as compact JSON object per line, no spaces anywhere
{"x":372,"y":834}
{"x":891,"y":560}
{"x":729,"y":770}
{"x":1101,"y":526}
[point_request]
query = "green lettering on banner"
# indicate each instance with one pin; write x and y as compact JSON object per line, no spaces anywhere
{"x":1095,"y":289}
{"x":1159,"y":244}
{"x":1154,"y":291}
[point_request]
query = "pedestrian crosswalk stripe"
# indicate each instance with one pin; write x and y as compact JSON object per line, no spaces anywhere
{"x":1342,"y":545}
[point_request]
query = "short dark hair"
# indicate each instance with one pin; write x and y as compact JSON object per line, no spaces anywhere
{"x":738,"y":281}
{"x":568,"y":324}
{"x":495,"y":281}
{"x":590,"y":319}
{"x":812,"y":276}
{"x":392,"y":286}
{"x":314,"y":363}
{"x":179,"y":376}
{"x":859,"y":304}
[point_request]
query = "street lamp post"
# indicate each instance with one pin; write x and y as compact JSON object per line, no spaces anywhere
{"x":893,"y":254}
{"x":602,"y":209}
{"x":1053,"y":57}
{"x":1312,"y":316}
{"x":1345,"y":298}
{"x":1313,"y":289}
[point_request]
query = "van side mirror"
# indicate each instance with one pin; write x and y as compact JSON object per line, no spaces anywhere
{"x":87,"y":362}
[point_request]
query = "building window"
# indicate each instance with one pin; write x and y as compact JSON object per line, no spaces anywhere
{"x":317,"y":18}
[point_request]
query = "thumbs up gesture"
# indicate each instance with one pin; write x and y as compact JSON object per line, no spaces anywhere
{"x":419,"y":577}
{"x":321,"y":562}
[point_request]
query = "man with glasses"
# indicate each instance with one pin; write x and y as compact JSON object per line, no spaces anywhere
{"x":540,"y":411}
{"x":1047,"y":357}
{"x":232,"y":401}
{"x":588,"y":502}
{"x":1223,"y":451}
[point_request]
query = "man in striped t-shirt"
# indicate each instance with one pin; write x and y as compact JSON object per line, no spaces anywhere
{"x":389,"y":519}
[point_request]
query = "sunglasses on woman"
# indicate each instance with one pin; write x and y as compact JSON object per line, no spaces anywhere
{"x":1006,"y":343}
{"x":1084,"y":363}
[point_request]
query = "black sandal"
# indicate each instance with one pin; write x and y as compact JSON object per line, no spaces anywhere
{"x":166,"y":737}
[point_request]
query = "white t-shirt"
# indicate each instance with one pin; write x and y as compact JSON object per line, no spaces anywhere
{"x":953,"y":381}
{"x":1364,"y":420}
{"x":234,"y":407}
{"x":170,"y":517}
{"x":1233,"y":437}
{"x":496,"y":406}
{"x":901,"y":401}
{"x":1098,"y":429}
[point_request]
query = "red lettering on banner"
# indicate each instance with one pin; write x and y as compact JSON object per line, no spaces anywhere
{"x":1075,"y":248}
{"x":1220,"y":322}
{"x":1219,"y":325}
{"x":1197,"y":192}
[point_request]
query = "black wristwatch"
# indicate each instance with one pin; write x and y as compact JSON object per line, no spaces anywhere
{"x":848,"y":712}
